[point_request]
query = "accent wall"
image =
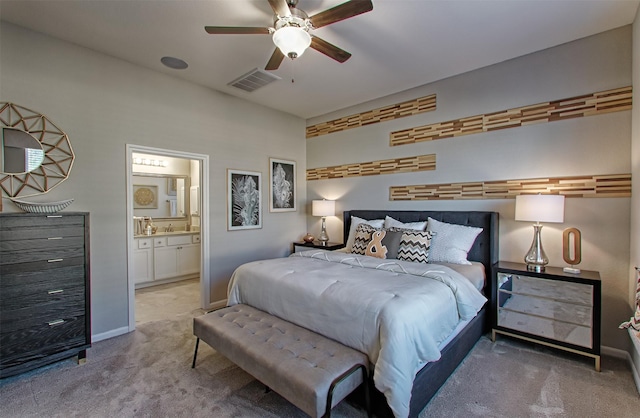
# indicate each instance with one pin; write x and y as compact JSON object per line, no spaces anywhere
{"x":589,"y":145}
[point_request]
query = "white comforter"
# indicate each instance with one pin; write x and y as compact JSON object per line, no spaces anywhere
{"x":396,"y":312}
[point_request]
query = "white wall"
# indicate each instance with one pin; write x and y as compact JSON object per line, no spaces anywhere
{"x":102,"y":104}
{"x":590,"y":145}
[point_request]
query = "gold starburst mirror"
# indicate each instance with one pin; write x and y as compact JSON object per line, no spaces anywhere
{"x":35,"y":155}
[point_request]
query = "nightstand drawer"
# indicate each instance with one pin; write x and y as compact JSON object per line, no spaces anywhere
{"x":543,"y":327}
{"x":553,"y":310}
{"x":577,"y":293}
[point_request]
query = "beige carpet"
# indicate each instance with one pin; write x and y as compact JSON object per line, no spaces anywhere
{"x":148,"y":373}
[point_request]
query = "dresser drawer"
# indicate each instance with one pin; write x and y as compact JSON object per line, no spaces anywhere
{"x":16,"y":318}
{"x":39,"y":341}
{"x":17,"y":304}
{"x":18,"y":285}
{"x":41,"y":243}
{"x":23,"y":221}
{"x":49,"y":255}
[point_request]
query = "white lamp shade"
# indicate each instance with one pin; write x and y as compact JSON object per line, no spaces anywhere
{"x":292,"y":41}
{"x":540,"y":208}
{"x":323,"y":207}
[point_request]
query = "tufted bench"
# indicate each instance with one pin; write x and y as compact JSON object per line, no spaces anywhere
{"x":309,"y":370}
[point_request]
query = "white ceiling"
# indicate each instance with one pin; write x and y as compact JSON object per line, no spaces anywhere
{"x":399,"y":45}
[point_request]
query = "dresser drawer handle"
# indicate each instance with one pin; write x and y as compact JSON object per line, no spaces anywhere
{"x":55,"y":260}
{"x":54,"y":238}
{"x":56,"y":322}
{"x":55,"y":292}
{"x":54,"y":216}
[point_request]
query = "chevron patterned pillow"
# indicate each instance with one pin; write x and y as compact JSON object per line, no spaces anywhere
{"x":362,"y":238}
{"x":415,"y":246}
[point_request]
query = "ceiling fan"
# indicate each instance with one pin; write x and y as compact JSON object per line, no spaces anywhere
{"x":291,"y":27}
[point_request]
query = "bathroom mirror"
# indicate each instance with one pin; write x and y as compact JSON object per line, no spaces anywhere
{"x":160,"y":196}
{"x":35,"y":155}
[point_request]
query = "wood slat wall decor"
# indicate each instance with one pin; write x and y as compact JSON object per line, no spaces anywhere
{"x":615,"y":185}
{"x":395,"y":111}
{"x":393,"y":166}
{"x":588,"y":105}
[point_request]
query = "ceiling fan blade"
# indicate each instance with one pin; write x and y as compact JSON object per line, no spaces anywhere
{"x":280,"y":7}
{"x":341,"y":12}
{"x":275,"y":60}
{"x":329,"y":50}
{"x":236,"y":30}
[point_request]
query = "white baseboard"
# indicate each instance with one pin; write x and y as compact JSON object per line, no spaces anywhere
{"x":109,"y":334}
{"x":217,"y":305}
{"x":614,"y":352}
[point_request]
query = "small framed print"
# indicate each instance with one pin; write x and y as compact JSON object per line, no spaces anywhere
{"x":244,"y":201}
{"x":145,"y":196}
{"x":282,"y":185}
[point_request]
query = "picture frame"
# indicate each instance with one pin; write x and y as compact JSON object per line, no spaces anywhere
{"x":244,"y":199}
{"x":172,"y":186}
{"x":145,"y":196}
{"x":282,"y":185}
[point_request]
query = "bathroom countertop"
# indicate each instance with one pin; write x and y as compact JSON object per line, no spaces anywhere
{"x":164,"y":234}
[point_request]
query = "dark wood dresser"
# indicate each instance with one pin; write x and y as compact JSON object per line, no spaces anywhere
{"x":45,"y":311}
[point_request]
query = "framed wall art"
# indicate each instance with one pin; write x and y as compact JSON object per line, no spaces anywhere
{"x":244,"y":201}
{"x":145,"y":196}
{"x":282,"y":185}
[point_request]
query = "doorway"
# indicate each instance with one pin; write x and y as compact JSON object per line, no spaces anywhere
{"x":167,"y":215}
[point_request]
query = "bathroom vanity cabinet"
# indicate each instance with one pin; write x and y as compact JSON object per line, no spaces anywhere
{"x":45,"y":310}
{"x":166,"y":257}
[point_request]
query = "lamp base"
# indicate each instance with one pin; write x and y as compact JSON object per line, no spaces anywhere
{"x":535,"y":267}
{"x":323,"y":238}
{"x":536,"y":258}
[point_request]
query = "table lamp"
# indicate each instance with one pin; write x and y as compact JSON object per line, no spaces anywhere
{"x":538,"y":208}
{"x":323,"y":208}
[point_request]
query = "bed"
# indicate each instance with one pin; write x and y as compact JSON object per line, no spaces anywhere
{"x":376,"y":305}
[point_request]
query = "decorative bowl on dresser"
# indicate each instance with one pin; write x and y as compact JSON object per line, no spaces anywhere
{"x":45,"y":311}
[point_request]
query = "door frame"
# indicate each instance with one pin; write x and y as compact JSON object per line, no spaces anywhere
{"x":205,"y":268}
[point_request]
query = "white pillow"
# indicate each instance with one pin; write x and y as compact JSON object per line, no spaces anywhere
{"x":355,"y":221}
{"x":389,"y":222}
{"x":451,"y":242}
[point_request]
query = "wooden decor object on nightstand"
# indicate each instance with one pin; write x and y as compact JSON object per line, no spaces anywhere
{"x":553,"y":308}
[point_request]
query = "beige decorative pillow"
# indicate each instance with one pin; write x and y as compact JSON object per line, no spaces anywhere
{"x":362,"y":238}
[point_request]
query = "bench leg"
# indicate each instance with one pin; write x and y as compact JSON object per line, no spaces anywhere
{"x":344,"y":375}
{"x":195,"y":354}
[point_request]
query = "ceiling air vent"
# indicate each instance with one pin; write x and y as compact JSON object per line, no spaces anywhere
{"x":253,"y":80}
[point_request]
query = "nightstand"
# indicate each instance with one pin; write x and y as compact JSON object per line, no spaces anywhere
{"x":554,"y":308}
{"x":304,"y":246}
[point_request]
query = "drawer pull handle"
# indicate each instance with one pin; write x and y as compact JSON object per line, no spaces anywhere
{"x":55,"y":260}
{"x":55,"y":292}
{"x":56,"y":322}
{"x":54,"y":238}
{"x":54,"y":216}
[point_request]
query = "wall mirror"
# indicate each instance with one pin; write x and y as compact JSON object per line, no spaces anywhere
{"x":35,"y":155}
{"x":160,"y":196}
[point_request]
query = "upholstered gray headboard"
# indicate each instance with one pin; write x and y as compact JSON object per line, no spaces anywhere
{"x":485,"y":248}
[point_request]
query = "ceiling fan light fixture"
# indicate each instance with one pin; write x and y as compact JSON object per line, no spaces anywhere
{"x":292,"y":40}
